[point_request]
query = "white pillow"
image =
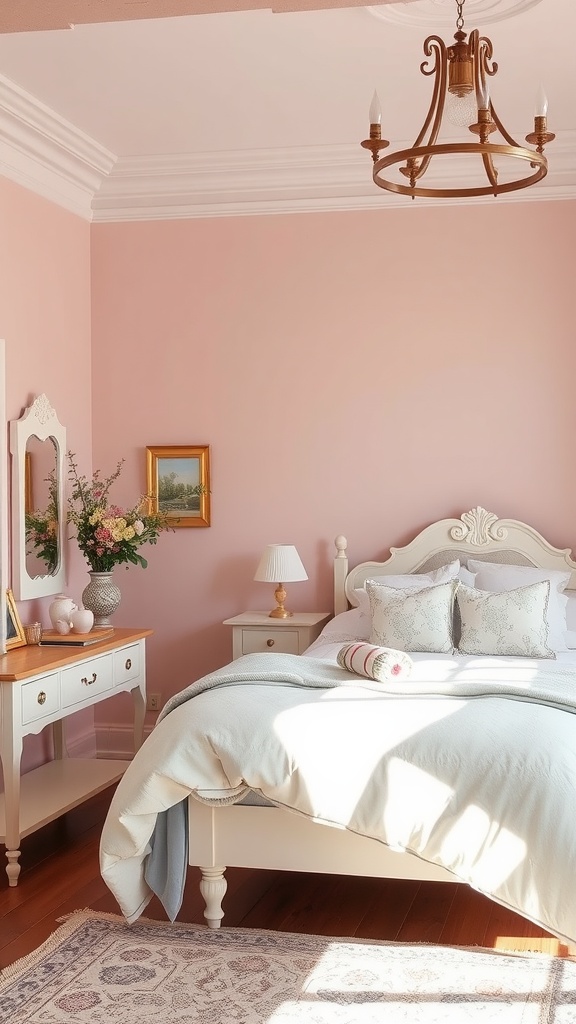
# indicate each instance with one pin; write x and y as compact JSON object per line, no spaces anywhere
{"x":408,"y":581}
{"x":347,"y":623}
{"x":373,"y":662}
{"x":466,"y":577}
{"x":512,"y":623}
{"x":570,"y":636}
{"x":413,"y":620}
{"x":571,"y":610}
{"x":497,"y":578}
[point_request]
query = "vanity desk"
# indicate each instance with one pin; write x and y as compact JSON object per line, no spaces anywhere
{"x":41,"y":686}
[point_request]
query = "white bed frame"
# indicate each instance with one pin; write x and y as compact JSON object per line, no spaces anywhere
{"x":242,"y":835}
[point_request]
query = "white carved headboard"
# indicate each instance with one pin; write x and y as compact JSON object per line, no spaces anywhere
{"x":477,"y":534}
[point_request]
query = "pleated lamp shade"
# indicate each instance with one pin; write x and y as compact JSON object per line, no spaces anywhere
{"x":280,"y":563}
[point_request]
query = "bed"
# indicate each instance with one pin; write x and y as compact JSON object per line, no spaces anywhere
{"x":282,"y":761}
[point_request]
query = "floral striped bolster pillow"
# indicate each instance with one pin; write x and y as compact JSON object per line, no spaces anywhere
{"x":380,"y":663}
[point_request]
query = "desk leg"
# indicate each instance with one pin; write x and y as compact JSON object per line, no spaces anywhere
{"x":11,"y":755}
{"x":59,"y":740}
{"x":139,"y":700}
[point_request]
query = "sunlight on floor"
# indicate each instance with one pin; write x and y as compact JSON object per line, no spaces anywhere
{"x":408,"y":983}
{"x":534,"y":944}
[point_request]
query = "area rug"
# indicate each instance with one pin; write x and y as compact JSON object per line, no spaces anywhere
{"x":97,"y":969}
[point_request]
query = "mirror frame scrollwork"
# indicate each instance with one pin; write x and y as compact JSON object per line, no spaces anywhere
{"x":38,"y":420}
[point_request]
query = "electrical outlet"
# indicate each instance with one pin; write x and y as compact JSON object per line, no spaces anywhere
{"x":153,"y":702}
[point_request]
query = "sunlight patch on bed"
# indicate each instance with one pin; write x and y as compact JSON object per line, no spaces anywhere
{"x":352,"y":779}
{"x":499,"y":851}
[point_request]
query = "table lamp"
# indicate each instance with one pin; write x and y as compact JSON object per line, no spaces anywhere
{"x":280,"y":564}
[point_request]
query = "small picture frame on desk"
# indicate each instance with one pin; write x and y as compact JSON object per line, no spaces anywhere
{"x":14,"y":631}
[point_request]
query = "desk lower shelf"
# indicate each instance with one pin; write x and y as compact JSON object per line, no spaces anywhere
{"x":57,"y":787}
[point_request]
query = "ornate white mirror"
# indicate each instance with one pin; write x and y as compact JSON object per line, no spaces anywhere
{"x":38,"y":448}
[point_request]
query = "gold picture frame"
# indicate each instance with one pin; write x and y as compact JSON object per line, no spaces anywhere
{"x":178,"y":483}
{"x":14,"y":630}
{"x":28,"y":496}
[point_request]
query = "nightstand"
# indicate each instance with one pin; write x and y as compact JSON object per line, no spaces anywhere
{"x":256,"y":632}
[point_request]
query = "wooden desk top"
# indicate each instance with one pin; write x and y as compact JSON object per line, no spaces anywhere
{"x":31,"y":660}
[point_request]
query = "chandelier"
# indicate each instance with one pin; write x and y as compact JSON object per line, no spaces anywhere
{"x":460,"y":73}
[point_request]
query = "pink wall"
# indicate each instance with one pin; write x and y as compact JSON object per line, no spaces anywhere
{"x":45,"y":321}
{"x":356,"y":373}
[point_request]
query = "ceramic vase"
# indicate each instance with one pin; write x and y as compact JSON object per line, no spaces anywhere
{"x":102,"y":597}
{"x":82,"y":620}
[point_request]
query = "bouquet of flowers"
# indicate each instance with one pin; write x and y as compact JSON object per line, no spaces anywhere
{"x":107,"y":535}
{"x":42,"y":529}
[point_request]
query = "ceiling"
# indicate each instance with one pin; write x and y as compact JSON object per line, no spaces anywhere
{"x":143,"y":109}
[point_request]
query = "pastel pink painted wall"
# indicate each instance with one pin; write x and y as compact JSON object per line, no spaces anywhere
{"x":45,"y":321}
{"x":357,"y":373}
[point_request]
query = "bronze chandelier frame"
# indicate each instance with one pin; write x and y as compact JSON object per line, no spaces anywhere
{"x":460,"y":69}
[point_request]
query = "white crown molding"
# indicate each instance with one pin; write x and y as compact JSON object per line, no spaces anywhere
{"x":308,"y":179}
{"x":49,"y":156}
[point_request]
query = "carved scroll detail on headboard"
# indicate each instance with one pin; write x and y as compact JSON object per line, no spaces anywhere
{"x":478,"y":527}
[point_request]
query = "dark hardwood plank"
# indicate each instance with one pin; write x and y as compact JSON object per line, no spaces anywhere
{"x":426,"y":918}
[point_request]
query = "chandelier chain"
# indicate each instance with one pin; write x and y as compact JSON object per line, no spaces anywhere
{"x":459,"y":15}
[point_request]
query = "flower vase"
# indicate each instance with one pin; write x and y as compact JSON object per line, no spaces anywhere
{"x":102,"y":597}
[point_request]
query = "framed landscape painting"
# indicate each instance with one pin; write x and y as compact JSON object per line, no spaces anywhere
{"x":178,"y":481}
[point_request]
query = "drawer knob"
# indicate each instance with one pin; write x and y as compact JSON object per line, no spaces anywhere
{"x":128,"y":664}
{"x":270,"y":643}
{"x":88,"y":682}
{"x":41,"y":698}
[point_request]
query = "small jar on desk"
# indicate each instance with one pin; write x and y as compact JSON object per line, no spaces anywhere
{"x":257,"y":632}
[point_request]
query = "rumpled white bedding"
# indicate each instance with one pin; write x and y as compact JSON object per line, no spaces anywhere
{"x":469,"y":763}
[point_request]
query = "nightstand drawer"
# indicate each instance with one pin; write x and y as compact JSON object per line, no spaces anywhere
{"x":283,"y":641}
{"x":40,"y":698}
{"x":258,"y":632}
{"x":80,"y":682}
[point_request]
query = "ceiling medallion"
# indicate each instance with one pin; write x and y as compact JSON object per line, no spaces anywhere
{"x":437,"y":14}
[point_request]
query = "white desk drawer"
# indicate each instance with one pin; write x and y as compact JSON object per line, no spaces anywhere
{"x":127,"y":664}
{"x":257,"y":641}
{"x":80,"y":682}
{"x":40,"y":697}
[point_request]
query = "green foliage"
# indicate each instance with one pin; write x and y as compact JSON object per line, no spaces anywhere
{"x":42,"y":529}
{"x":106,"y":534}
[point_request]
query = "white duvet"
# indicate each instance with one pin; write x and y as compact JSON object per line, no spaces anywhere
{"x":469,"y":763}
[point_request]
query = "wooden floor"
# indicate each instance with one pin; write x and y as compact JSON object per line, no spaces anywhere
{"x":60,"y":874}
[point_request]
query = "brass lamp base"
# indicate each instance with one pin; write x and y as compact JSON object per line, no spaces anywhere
{"x":280,"y":612}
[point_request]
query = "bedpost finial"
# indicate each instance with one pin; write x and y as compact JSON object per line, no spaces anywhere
{"x":341,"y":545}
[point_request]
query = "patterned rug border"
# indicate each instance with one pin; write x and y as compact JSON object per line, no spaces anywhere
{"x":77,"y":918}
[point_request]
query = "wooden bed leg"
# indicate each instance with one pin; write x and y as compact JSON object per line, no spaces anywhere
{"x":213,"y":887}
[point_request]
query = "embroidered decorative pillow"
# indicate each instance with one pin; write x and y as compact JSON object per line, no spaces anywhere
{"x":413,"y":620}
{"x":373,"y":662}
{"x":513,"y":623}
{"x":498,"y":577}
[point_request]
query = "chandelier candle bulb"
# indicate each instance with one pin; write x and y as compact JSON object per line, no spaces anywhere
{"x":484,"y":97}
{"x":541,"y":107}
{"x":375,"y":112}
